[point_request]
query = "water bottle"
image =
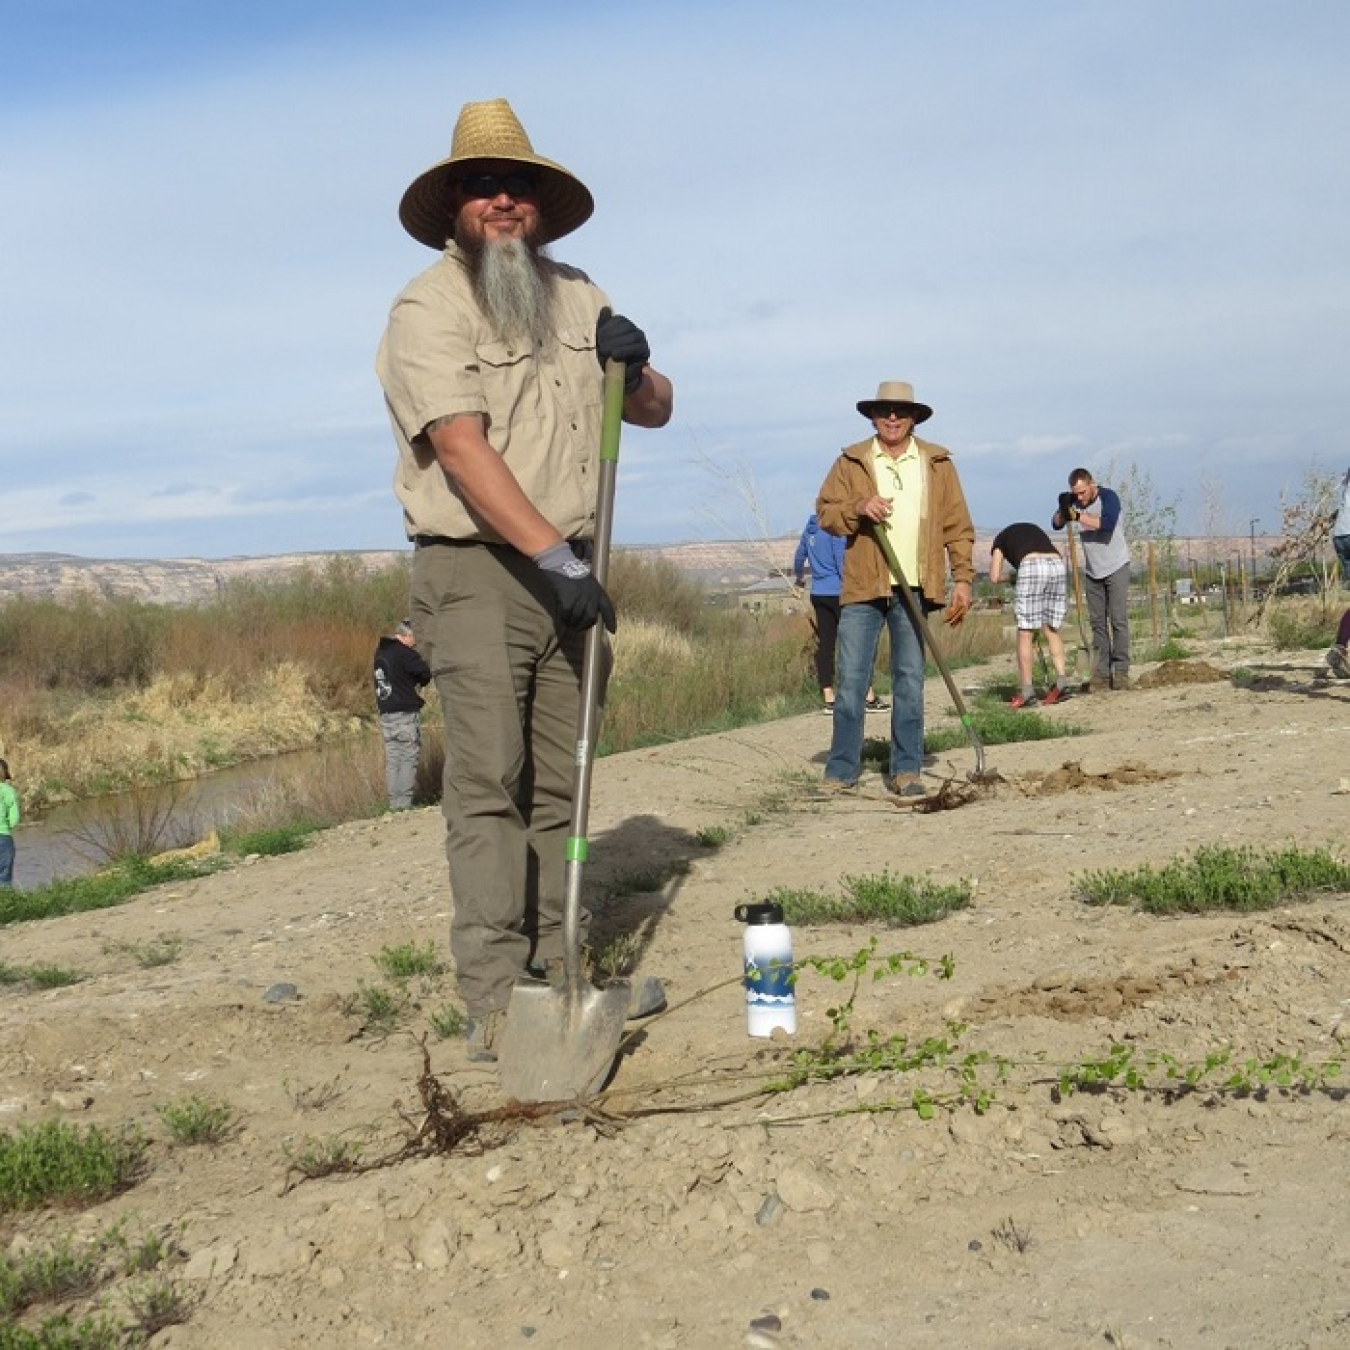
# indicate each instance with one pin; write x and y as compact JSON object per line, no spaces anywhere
{"x":769,"y":1000}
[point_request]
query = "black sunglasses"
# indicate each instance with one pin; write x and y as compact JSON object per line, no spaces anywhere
{"x":494,"y":184}
{"x":882,"y":410}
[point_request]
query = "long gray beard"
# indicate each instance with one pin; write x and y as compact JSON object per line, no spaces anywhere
{"x":513,"y":289}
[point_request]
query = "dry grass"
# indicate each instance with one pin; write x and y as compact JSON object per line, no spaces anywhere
{"x":178,"y":727}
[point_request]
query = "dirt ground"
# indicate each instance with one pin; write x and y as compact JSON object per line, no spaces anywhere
{"x":818,"y":1218}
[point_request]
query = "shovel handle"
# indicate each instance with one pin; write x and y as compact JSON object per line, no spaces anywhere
{"x":917,"y":614}
{"x":591,"y":666}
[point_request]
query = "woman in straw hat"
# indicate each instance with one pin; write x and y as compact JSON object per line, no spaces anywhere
{"x":491,"y":366}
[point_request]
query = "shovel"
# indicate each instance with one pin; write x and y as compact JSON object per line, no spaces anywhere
{"x":560,"y":1041}
{"x":921,"y":623}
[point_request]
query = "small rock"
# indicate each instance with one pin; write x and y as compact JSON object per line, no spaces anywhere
{"x":282,"y":993}
{"x":769,"y":1322}
{"x":768,"y":1211}
{"x":72,"y":1101}
{"x":820,"y":1295}
{"x":801,"y":1189}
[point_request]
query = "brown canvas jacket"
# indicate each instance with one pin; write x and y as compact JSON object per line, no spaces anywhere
{"x":948,"y":534}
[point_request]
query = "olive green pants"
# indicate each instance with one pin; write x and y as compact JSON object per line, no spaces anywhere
{"x":510,"y":687}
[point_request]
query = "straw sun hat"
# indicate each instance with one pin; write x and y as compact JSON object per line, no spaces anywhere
{"x":896,"y":391}
{"x":486,"y":133}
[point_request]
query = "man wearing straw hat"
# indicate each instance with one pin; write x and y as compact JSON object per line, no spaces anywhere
{"x":909,"y":488}
{"x":492,"y":370}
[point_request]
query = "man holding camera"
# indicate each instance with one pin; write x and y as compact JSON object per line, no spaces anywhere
{"x":1106,"y":563}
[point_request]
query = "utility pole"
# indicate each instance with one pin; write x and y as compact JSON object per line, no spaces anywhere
{"x":1255,"y":521}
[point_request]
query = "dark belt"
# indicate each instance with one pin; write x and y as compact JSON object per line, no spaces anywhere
{"x":583,"y":548}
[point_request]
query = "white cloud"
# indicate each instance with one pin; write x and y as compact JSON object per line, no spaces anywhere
{"x":1081,"y":231}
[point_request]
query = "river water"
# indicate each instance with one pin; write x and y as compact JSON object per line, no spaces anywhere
{"x":63,"y":842}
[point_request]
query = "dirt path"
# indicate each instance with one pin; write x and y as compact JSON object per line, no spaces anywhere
{"x":1087,"y":1221}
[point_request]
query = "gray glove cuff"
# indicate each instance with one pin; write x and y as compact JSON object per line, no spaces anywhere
{"x":560,"y":558}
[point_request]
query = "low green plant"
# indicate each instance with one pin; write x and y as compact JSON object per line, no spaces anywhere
{"x":712,"y":836}
{"x":313,"y":1096}
{"x":379,"y":1009}
{"x":54,"y":1163}
{"x":1244,"y":677}
{"x":40,"y":977}
{"x":1170,"y":649}
{"x":1220,"y":877}
{"x":897,"y":901}
{"x":619,"y":956}
{"x":98,"y":1332}
{"x":323,"y":1157}
{"x":997,"y":724}
{"x":273,"y":841}
{"x":158,"y":1303}
{"x":104,"y":890}
{"x":409,"y":960}
{"x":1298,"y":629}
{"x":447,"y":1022}
{"x":163,"y":950}
{"x":194,"y":1120}
{"x":48,"y":1275}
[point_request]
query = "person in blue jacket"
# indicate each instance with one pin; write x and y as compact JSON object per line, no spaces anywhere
{"x":822,"y":554}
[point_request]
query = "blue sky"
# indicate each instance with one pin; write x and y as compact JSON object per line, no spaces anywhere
{"x":1112,"y":234}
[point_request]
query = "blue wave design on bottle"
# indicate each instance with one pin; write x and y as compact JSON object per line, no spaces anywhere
{"x":768,"y":980}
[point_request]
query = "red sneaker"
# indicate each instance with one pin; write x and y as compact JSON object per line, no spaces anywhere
{"x":1053,"y":694}
{"x":1022,"y":701}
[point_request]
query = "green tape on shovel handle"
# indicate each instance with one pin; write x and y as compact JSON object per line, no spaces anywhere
{"x":577,"y":848}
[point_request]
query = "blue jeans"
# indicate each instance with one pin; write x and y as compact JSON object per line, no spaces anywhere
{"x":6,"y":859}
{"x":860,"y":628}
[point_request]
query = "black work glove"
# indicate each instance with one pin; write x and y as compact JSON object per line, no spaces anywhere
{"x":581,"y":598}
{"x":621,"y":339}
{"x":1068,"y":506}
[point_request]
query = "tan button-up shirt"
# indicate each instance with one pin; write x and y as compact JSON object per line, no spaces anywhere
{"x":542,"y":407}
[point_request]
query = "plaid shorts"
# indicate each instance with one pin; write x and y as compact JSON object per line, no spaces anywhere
{"x":1041,"y":597}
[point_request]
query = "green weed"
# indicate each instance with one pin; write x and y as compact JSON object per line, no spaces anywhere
{"x":447,"y":1022}
{"x":158,"y":1303}
{"x":48,"y":1275}
{"x":712,"y":836}
{"x":895,"y":901}
{"x":313,"y":1096}
{"x":163,"y":950}
{"x":273,"y":841}
{"x":1218,"y":877}
{"x":99,"y":1332}
{"x":103,"y":890}
{"x":408,"y":960}
{"x":323,"y":1157}
{"x":40,"y":977}
{"x":54,"y":1163}
{"x":997,"y":724}
{"x":380,"y":1010}
{"x":194,"y":1120}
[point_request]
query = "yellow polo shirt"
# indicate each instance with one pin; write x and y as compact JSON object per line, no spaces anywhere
{"x":901,"y":479}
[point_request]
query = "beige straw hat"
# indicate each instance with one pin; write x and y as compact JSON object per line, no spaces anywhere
{"x":896,"y":391}
{"x":485,"y":133}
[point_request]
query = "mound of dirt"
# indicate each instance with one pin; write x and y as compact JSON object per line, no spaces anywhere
{"x":1169,"y":673}
{"x":1070,"y":777}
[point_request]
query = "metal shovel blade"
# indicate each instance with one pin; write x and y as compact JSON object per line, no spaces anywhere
{"x":560,"y":1041}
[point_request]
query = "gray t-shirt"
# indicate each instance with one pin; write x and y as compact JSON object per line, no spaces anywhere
{"x":1341,"y":525}
{"x":1105,"y":550}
